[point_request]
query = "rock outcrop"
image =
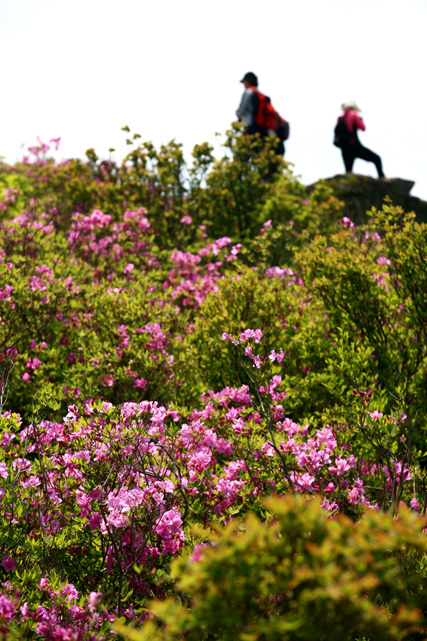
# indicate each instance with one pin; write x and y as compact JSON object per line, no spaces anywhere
{"x":361,"y":193}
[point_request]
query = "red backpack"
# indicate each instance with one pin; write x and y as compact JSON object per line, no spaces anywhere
{"x":267,"y":118}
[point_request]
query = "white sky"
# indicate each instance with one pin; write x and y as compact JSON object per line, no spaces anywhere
{"x":82,"y":69}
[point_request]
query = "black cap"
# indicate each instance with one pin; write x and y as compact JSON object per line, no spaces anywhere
{"x":251,"y":78}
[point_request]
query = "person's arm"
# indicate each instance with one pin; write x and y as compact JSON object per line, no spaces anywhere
{"x":358,"y":121}
{"x":246,"y":110}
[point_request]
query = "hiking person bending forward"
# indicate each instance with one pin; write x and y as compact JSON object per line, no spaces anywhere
{"x":259,"y":115}
{"x":347,"y":139}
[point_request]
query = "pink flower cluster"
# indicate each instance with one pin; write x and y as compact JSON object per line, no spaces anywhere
{"x":191,"y":280}
{"x":65,"y":618}
{"x":126,"y":479}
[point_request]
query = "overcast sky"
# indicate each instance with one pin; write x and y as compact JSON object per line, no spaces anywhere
{"x":82,"y":69}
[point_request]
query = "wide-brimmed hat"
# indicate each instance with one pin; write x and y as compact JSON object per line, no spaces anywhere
{"x":350,"y":104}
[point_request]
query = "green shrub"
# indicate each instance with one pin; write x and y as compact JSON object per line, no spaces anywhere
{"x":299,"y":576}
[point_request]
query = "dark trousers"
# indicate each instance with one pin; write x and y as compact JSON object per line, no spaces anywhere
{"x":350,"y":153}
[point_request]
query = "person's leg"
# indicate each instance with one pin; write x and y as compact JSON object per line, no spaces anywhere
{"x":348,"y":158}
{"x":368,"y":155}
{"x":280,"y":148}
{"x":275,"y":166}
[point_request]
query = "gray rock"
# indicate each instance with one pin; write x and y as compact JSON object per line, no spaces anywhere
{"x":361,"y":193}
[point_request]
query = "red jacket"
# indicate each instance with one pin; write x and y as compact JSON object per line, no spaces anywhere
{"x":353,"y":122}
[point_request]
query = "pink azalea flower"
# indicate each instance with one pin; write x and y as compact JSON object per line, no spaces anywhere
{"x":108,"y":381}
{"x":8,"y":563}
{"x":198,"y":552}
{"x":376,"y":414}
{"x":415,"y":505}
{"x":169,"y":524}
{"x":93,"y":600}
{"x":347,"y":223}
{"x":140,"y":382}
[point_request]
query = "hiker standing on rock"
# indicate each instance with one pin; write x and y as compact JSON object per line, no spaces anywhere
{"x":259,"y":115}
{"x":347,"y":140}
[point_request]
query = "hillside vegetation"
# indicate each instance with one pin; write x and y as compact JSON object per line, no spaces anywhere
{"x":212,"y":402}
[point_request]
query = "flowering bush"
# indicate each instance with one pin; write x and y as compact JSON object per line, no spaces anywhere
{"x":173,"y":352}
{"x":107,"y":496}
